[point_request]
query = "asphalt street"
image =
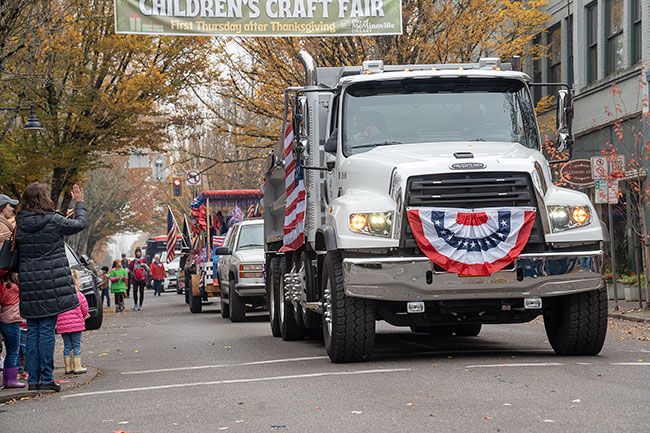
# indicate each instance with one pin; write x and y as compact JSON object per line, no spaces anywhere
{"x":167,"y":370}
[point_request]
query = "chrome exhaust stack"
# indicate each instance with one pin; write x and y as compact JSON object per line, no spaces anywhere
{"x":311,"y":78}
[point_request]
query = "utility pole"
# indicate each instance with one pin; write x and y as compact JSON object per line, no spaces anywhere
{"x":612,"y":253}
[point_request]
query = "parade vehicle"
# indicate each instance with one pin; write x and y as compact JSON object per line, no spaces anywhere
{"x":172,"y":270}
{"x":241,"y":269}
{"x":419,"y":195}
{"x":89,"y":287}
{"x":205,"y":225}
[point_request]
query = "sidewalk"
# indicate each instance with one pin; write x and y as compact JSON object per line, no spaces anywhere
{"x":67,"y":383}
{"x":629,"y":310}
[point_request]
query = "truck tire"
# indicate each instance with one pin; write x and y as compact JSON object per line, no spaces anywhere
{"x":348,"y":323}
{"x":311,"y":319}
{"x":291,"y":326}
{"x":577,"y":324}
{"x":235,"y":303}
{"x":225,"y":307}
{"x":93,"y":323}
{"x":273,"y":296}
{"x":196,"y":304}
{"x":468,"y":330}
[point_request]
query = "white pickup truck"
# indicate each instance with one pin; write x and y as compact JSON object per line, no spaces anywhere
{"x":240,"y":269}
{"x":429,"y":204}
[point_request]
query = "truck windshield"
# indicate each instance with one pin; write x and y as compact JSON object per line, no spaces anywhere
{"x":437,"y":110}
{"x":251,"y":236}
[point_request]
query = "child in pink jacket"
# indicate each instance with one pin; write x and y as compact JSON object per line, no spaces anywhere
{"x":70,"y":325}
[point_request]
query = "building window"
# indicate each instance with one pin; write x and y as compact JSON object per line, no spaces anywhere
{"x":592,"y":42}
{"x":554,"y":62}
{"x":614,"y":31}
{"x":636,"y":30}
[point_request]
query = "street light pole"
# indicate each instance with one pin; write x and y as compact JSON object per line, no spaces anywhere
{"x":33,"y":123}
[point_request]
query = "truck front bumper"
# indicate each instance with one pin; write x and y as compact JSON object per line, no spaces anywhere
{"x":414,"y":278}
{"x":246,"y":290}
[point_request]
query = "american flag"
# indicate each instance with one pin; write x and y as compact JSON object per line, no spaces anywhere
{"x":294,"y":212}
{"x":171,"y":235}
{"x":217,"y":241}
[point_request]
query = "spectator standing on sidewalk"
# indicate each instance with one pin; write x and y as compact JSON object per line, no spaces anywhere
{"x":157,"y":275}
{"x":125,"y":265}
{"x":7,"y":217}
{"x":10,"y":328}
{"x":70,"y":325}
{"x":46,"y":285}
{"x":139,"y":275}
{"x":118,"y":278}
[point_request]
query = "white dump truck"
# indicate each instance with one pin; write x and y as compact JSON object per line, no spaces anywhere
{"x":429,"y":205}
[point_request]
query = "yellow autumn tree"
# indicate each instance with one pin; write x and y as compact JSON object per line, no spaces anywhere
{"x":447,"y":31}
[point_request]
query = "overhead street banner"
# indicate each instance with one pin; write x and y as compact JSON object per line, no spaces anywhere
{"x":259,"y":17}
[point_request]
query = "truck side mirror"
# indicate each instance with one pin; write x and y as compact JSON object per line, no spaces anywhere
{"x":564,"y":120}
{"x":223,"y":251}
{"x":331,"y":143}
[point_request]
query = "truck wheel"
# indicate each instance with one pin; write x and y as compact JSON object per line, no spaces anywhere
{"x":196,"y":304}
{"x":225,"y":307}
{"x":290,"y":325}
{"x":577,"y":324}
{"x":311,"y":319}
{"x":237,"y":308}
{"x":348,"y":323}
{"x":273,"y":296}
{"x":95,"y":322}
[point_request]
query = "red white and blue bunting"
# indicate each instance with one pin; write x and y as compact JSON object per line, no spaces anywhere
{"x":477,"y":242}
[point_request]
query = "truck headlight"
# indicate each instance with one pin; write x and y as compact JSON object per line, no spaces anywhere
{"x":372,"y":223}
{"x":568,"y":217}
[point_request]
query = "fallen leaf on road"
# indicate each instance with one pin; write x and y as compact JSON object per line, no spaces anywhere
{"x":227,"y":347}
{"x":356,"y":412}
{"x":103,"y":354}
{"x":639,"y":360}
{"x":577,"y":400}
{"x":136,"y":351}
{"x":223,"y":428}
{"x":487,"y":418}
{"x":409,"y":404}
{"x":239,"y":421}
{"x":174,"y":423}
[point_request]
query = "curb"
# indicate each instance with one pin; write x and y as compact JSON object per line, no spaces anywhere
{"x":91,"y":375}
{"x":628,"y":317}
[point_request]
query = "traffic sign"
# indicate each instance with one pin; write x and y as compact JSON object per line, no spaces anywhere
{"x":612,"y":191}
{"x":599,"y":167}
{"x":600,"y":192}
{"x":193,"y":178}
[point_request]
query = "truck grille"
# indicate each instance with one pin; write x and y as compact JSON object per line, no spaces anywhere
{"x":470,"y":190}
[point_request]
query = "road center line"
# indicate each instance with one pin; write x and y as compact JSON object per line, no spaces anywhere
{"x":222,"y":382}
{"x":528,"y":364}
{"x":631,"y":363}
{"x":203,"y":367}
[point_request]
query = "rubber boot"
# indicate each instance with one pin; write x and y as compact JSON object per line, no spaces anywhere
{"x":10,"y":378}
{"x":68,"y":364}
{"x":78,"y":369}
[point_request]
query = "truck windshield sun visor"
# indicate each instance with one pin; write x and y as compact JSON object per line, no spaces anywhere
{"x":437,"y":110}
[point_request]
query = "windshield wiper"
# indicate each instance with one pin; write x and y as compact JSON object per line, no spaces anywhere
{"x":384,"y":143}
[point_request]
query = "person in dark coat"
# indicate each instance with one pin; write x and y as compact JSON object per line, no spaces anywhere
{"x":46,"y":284}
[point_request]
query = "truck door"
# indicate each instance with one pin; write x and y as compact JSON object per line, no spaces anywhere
{"x":333,"y":133}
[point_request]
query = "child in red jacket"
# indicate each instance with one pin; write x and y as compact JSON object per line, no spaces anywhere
{"x":70,"y":325}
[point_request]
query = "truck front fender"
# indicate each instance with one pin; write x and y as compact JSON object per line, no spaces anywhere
{"x":326,"y":238}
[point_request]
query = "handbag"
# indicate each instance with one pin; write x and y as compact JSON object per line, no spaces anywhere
{"x":9,"y":255}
